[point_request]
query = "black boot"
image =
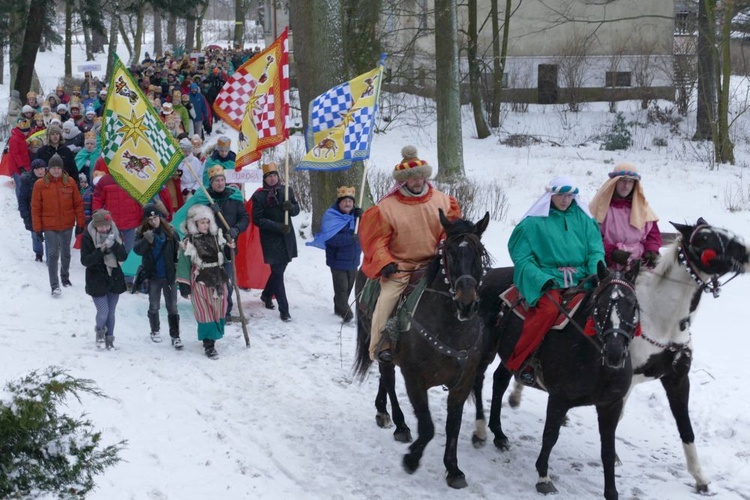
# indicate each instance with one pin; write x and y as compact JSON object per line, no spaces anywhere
{"x":208,"y":346}
{"x":153,"y":321}
{"x":174,"y":330}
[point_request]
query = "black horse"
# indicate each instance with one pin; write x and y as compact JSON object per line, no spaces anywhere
{"x":444,"y":345}
{"x":575,"y":368}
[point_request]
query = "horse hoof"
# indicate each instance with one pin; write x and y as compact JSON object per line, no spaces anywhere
{"x":457,"y":481}
{"x":702,"y":489}
{"x":383,"y":420}
{"x":411,"y":463}
{"x":402,"y":436}
{"x":477,"y":441}
{"x":502,"y":443}
{"x":514,"y":400}
{"x":546,"y":487}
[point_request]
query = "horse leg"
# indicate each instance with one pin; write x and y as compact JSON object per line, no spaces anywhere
{"x":455,"y":477}
{"x":479,"y":437}
{"x":402,"y":434}
{"x":677,"y":388}
{"x":425,"y":427}
{"x":557,"y":407}
{"x":609,"y":416}
{"x":514,"y":400}
{"x":382,"y":417}
{"x":500,"y":380}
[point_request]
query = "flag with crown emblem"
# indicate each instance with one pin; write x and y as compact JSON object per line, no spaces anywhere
{"x":255,"y":101}
{"x":140,"y":152}
{"x":341,"y":123}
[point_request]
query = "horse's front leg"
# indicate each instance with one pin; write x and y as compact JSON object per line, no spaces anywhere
{"x":500,"y":380}
{"x":479,"y":437}
{"x":382,"y":417}
{"x":402,"y":434}
{"x":425,"y":427}
{"x":609,"y":417}
{"x":678,"y":394}
{"x":557,"y":407}
{"x":455,"y":476}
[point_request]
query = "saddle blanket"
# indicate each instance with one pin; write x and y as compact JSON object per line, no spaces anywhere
{"x":513,"y":299}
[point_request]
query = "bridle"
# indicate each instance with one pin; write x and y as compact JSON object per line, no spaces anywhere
{"x":445,"y":265}
{"x":712,"y":285}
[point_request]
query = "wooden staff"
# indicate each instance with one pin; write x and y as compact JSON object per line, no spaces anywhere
{"x":361,"y":195}
{"x":286,"y":184}
{"x":234,"y":267}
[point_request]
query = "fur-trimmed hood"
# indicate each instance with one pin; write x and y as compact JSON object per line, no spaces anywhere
{"x":195,"y":213}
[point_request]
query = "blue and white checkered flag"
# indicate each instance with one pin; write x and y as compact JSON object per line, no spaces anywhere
{"x":328,"y":108}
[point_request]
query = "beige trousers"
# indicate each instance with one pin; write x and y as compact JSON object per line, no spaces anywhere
{"x":390,"y":291}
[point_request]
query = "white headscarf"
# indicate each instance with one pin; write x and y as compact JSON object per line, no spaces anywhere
{"x":558,"y":185}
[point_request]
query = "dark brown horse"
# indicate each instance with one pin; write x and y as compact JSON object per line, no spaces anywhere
{"x":443,"y":346}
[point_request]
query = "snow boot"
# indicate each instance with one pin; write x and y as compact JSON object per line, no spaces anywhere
{"x":174,"y":330}
{"x":109,"y":342}
{"x":100,"y":337}
{"x":208,"y":346}
{"x":153,"y":321}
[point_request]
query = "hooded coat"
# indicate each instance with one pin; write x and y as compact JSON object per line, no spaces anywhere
{"x":278,"y":247}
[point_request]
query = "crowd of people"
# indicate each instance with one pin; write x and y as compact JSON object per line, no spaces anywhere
{"x":188,"y":233}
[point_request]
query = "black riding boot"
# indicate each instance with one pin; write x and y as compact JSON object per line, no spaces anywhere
{"x":153,"y":321}
{"x":208,"y":346}
{"x":174,"y":330}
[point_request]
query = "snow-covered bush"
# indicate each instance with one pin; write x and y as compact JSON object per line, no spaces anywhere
{"x":43,"y":451}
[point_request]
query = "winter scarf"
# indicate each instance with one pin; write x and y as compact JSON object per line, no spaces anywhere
{"x":100,"y":238}
{"x":333,"y":221}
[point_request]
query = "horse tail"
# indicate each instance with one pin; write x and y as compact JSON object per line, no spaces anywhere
{"x":362,"y":361}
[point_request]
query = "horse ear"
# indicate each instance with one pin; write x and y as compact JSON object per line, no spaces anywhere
{"x":702,"y":222}
{"x":443,"y":219}
{"x":632,"y":273}
{"x":684,"y":229}
{"x":481,"y":226}
{"x":601,"y":270}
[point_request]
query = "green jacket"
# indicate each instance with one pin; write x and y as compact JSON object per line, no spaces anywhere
{"x":184,"y":116}
{"x":541,"y":247}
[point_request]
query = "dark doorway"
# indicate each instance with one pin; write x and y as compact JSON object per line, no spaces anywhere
{"x":547,"y":84}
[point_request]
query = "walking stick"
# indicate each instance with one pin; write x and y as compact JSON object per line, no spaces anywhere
{"x":286,"y":184}
{"x":234,"y":267}
{"x":361,"y":195}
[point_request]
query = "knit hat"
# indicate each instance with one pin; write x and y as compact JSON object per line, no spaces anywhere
{"x":626,"y":170}
{"x":345,"y":192}
{"x":166,"y":108}
{"x":149,"y":210}
{"x":411,"y":165}
{"x":185,"y":144}
{"x":103,"y":92}
{"x":82,"y":177}
{"x":270,"y":168}
{"x":194,"y":86}
{"x":90,"y":110}
{"x":38,"y":163}
{"x":27,"y":109}
{"x":23,"y":124}
{"x":55,"y":161}
{"x":216,"y":171}
{"x":70,"y":130}
{"x":196,"y":141}
{"x":15,"y":93}
{"x":223,"y":143}
{"x":61,"y":108}
{"x":101,"y":218}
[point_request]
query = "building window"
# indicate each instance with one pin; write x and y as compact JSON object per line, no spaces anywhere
{"x":617,"y":79}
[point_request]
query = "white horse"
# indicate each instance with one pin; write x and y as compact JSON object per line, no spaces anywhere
{"x":669,"y":297}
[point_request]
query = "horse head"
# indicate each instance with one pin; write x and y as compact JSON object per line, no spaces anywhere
{"x":464,"y":261}
{"x":712,"y":250}
{"x":616,"y":314}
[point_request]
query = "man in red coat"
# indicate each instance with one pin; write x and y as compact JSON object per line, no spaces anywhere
{"x":18,"y":152}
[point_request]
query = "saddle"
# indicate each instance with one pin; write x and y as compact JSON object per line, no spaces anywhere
{"x":572,"y":299}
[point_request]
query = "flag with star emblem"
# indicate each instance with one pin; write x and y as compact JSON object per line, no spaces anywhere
{"x":255,"y":101}
{"x":341,"y":122}
{"x":140,"y":152}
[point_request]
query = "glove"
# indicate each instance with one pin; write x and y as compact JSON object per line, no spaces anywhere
{"x":40,"y":236}
{"x":357,"y":212}
{"x":109,"y":242}
{"x":27,"y":224}
{"x":651,"y":259}
{"x":287,"y":205}
{"x":215,"y":208}
{"x":388,"y":269}
{"x":79,"y":230}
{"x":285,"y":229}
{"x":233,"y":232}
{"x":184,"y":290}
{"x":620,"y":256}
{"x":149,"y":236}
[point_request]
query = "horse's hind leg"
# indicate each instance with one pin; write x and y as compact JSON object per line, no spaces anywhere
{"x":678,"y":394}
{"x":556,"y":410}
{"x":402,"y":433}
{"x":500,"y":380}
{"x":609,"y":416}
{"x":455,"y":477}
{"x":425,"y":427}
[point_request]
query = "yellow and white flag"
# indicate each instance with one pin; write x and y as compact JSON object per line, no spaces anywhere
{"x":140,"y":152}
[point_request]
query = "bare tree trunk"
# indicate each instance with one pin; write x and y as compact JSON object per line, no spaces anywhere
{"x":706,"y":106}
{"x":199,"y":28}
{"x":32,"y":38}
{"x":16,"y":43}
{"x":496,"y":66}
{"x":500,"y":66}
{"x":125,"y":40}
{"x":97,"y":41}
{"x":190,"y":32}
{"x":87,"y":42}
{"x":483,"y":131}
{"x":2,"y":65}
{"x":158,"y":42}
{"x":320,"y":66}
{"x":68,"y":38}
{"x":138,"y":42}
{"x":448,"y":92}
{"x":724,"y":148}
{"x":172,"y":31}
{"x":113,"y":28}
{"x":239,"y":23}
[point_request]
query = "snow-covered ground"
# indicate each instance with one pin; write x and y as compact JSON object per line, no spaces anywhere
{"x":284,"y":419}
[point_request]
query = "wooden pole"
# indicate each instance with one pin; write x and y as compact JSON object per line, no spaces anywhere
{"x":361,"y":194}
{"x":286,"y":183}
{"x":234,"y":266}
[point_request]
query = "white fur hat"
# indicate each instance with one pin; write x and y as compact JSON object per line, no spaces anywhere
{"x":198,"y":212}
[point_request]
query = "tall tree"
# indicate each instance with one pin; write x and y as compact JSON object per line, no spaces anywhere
{"x":475,"y":74}
{"x":239,"y":23}
{"x":158,"y":39}
{"x":706,"y":106}
{"x":199,"y":27}
{"x":723,"y":146}
{"x":448,"y":92}
{"x":190,"y":30}
{"x":32,"y":38}
{"x":68,"y":38}
{"x":172,"y":31}
{"x":321,"y":65}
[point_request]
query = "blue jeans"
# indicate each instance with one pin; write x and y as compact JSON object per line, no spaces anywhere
{"x":17,"y":184}
{"x":36,"y":244}
{"x":58,"y":248}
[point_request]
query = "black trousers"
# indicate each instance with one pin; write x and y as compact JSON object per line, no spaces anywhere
{"x":343,"y":282}
{"x":275,"y":287}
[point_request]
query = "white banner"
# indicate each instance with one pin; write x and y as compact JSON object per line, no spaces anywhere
{"x":83,"y":68}
{"x":244,"y":176}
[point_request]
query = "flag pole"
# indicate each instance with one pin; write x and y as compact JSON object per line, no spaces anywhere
{"x":234,"y":266}
{"x":286,"y":184}
{"x":361,"y":194}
